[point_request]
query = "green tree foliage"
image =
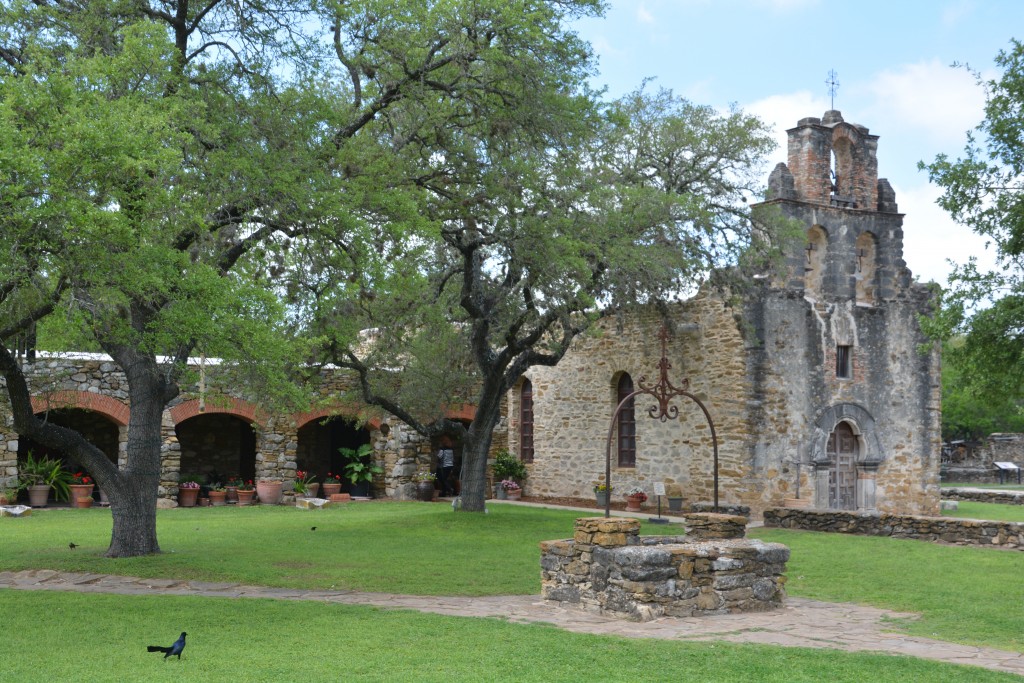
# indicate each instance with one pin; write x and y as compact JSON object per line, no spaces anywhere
{"x":544,"y":204}
{"x":985,"y":191}
{"x":969,"y":411}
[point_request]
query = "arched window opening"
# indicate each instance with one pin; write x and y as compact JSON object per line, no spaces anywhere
{"x":842,"y":170}
{"x":626,"y":423}
{"x":526,"y":421}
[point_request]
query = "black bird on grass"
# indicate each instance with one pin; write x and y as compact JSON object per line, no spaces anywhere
{"x":72,"y":545}
{"x":175,"y":649}
{"x":312,"y":528}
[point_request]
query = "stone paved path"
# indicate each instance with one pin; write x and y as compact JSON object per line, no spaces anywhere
{"x":801,"y":623}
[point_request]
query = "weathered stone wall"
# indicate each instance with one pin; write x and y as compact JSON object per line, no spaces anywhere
{"x":984,"y":533}
{"x":607,"y":567}
{"x":983,"y":496}
{"x":94,"y":383}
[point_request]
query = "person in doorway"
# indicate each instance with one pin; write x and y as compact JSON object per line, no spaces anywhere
{"x":445,"y":465}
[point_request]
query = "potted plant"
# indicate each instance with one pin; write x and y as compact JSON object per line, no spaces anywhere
{"x":332,"y":484}
{"x":246,"y":492}
{"x":8,"y":496}
{"x":507,"y":466}
{"x":634,"y":498}
{"x":188,"y":491}
{"x":304,"y":485}
{"x":83,"y":502}
{"x":232,"y":489}
{"x":218,"y":495}
{"x":512,"y":489}
{"x":39,"y":476}
{"x":601,"y":493}
{"x":360,"y":470}
{"x":81,"y":486}
{"x":674,"y":493}
{"x":424,"y":485}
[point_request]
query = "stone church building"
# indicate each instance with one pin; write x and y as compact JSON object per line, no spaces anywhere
{"x":816,"y":383}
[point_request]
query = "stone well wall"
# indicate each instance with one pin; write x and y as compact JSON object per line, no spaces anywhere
{"x":973,"y":532}
{"x":608,"y":568}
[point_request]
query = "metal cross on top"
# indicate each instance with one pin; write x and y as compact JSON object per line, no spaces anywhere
{"x":663,"y":392}
{"x":833,"y":86}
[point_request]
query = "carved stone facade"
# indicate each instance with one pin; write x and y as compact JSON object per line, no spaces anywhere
{"x":816,"y":382}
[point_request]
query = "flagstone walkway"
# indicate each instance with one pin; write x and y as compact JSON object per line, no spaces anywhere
{"x":801,"y":623}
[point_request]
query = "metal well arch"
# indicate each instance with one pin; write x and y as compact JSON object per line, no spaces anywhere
{"x":663,"y":392}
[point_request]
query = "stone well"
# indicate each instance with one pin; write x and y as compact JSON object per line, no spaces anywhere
{"x":607,"y":567}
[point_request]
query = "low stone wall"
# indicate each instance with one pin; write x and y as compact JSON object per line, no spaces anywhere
{"x":945,"y":529}
{"x":984,"y":496}
{"x":610,"y":569}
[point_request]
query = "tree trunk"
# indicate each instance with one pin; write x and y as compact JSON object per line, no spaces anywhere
{"x":133,"y":499}
{"x":475,"y":449}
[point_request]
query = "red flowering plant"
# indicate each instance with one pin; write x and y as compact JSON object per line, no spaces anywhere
{"x":81,"y":478}
{"x":332,"y":478}
{"x":246,"y":485}
{"x":302,"y":480}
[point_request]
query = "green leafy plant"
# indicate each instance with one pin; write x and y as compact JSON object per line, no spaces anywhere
{"x":421,"y":477}
{"x":45,"y":472}
{"x":359,"y":469}
{"x":508,"y":466}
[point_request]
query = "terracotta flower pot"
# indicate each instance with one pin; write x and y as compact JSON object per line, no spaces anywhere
{"x":232,"y":494}
{"x":83,"y":502}
{"x":187,"y":497}
{"x":633,"y":503}
{"x":38,"y":495}
{"x":245,"y":497}
{"x":269,"y":491}
{"x":515,"y":495}
{"x":80,"y":491}
{"x":330,"y":489}
{"x":218,"y":498}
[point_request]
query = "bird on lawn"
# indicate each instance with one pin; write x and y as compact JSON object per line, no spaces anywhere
{"x":312,"y":528}
{"x":175,"y":649}
{"x":72,"y":545}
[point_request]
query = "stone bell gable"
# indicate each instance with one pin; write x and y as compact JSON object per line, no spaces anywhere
{"x":837,"y":334}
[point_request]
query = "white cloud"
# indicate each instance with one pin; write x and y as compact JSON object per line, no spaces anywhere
{"x":931,"y":97}
{"x":955,"y":12}
{"x":643,"y":15}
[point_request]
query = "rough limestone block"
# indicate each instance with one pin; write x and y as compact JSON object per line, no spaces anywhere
{"x":312,"y":503}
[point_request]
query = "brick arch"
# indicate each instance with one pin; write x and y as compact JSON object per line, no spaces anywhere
{"x":222,"y":404}
{"x":109,"y":407}
{"x":303,"y":419}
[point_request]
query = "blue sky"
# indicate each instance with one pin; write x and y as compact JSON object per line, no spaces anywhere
{"x":772,"y":57}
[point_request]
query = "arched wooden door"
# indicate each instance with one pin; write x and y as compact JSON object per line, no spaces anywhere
{"x":842,"y":477}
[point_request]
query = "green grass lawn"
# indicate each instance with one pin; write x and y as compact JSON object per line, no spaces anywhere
{"x":99,"y":638}
{"x":968,"y":595}
{"x":391,"y":547}
{"x":969,"y":509}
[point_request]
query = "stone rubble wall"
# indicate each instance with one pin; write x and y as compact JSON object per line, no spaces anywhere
{"x":982,"y":496}
{"x":608,"y":568}
{"x":970,"y":532}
